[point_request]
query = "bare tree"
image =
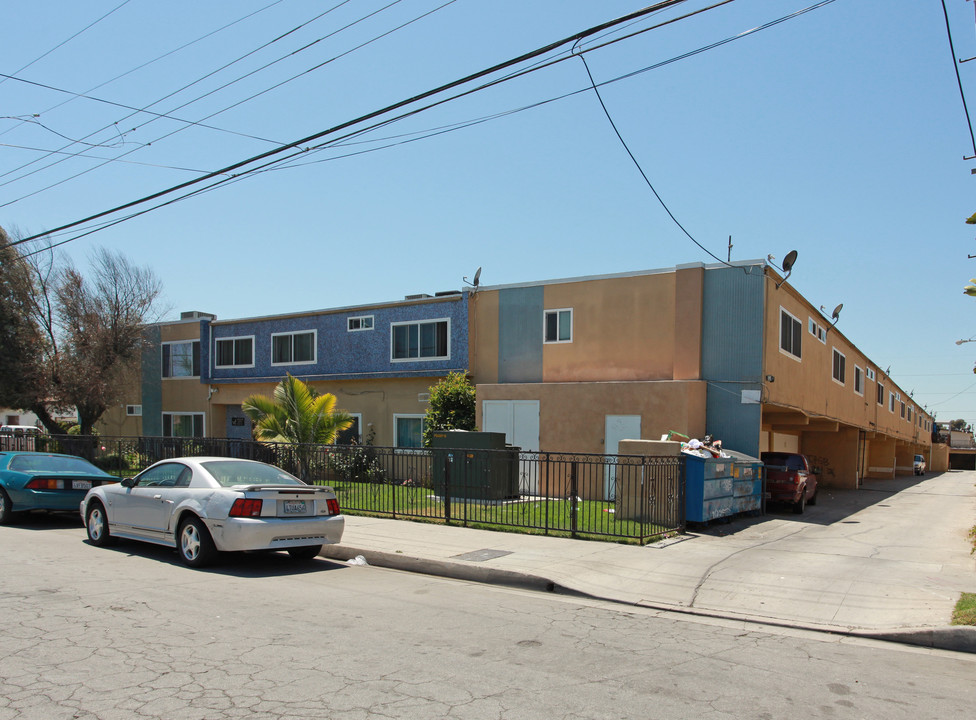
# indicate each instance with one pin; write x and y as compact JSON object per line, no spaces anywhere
{"x":89,"y":332}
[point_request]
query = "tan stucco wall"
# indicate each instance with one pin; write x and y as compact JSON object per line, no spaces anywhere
{"x":572,"y":416}
{"x":483,"y":336}
{"x":807,"y":384}
{"x":376,"y":400}
{"x":835,"y":453}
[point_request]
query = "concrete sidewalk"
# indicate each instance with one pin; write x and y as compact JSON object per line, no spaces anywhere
{"x":886,"y":561}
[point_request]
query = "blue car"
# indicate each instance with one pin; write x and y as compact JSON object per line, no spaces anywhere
{"x":45,"y":481}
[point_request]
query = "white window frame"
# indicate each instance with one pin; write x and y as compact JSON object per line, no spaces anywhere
{"x":292,"y":334}
{"x":362,"y":321}
{"x":881,"y":394}
{"x":891,"y":402}
{"x":133,"y":410}
{"x":230,"y":339}
{"x":779,"y":331}
{"x":545,"y":321}
{"x":396,"y":430}
{"x":869,"y":372}
{"x":162,"y":356}
{"x":910,"y":414}
{"x":359,"y":418}
{"x":859,"y":380}
{"x":817,"y":330}
{"x":418,"y":323}
{"x":203,"y":424}
{"x":841,"y":380}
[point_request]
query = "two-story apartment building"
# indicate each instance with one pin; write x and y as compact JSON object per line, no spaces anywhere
{"x":572,"y":365}
{"x":725,"y":350}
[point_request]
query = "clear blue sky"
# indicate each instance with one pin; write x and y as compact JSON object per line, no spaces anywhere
{"x":840,"y":134}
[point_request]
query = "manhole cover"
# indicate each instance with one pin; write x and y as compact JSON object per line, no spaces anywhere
{"x":482,"y":555}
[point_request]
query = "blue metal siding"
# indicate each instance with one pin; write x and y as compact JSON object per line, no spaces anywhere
{"x":344,"y":354}
{"x":732,"y":350}
{"x":152,"y":383}
{"x":520,"y":334}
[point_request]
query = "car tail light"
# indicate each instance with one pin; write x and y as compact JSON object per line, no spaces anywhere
{"x":45,"y":484}
{"x":333,"y":506}
{"x":246,"y":507}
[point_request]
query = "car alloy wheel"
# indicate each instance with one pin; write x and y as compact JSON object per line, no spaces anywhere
{"x":97,"y":525}
{"x":195,"y":544}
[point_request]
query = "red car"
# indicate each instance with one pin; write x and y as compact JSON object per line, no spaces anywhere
{"x":790,"y":479}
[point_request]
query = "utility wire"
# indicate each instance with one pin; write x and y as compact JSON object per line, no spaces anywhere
{"x":363,"y":118}
{"x":955,"y":66}
{"x":65,"y":42}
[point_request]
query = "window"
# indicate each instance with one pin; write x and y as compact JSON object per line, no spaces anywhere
{"x":790,"y":333}
{"x":166,"y":475}
{"x":134,"y":410}
{"x":559,"y":326}
{"x":858,"y":380}
{"x":891,"y":402}
{"x":817,"y":330}
{"x":364,"y":322}
{"x":181,"y":359}
{"x":880,"y":394}
{"x":293,"y":348}
{"x":902,"y":411}
{"x":182,"y":424}
{"x":420,"y":340}
{"x":235,"y":352}
{"x":352,"y":435}
{"x":839,"y":372}
{"x":909,"y":413}
{"x":870,"y":373}
{"x":409,"y":430}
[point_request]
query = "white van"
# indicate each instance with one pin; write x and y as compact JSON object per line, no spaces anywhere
{"x":19,"y":430}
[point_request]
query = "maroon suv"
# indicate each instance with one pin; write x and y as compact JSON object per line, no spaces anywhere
{"x":790,"y":479}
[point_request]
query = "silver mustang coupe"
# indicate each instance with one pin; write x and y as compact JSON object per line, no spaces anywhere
{"x":206,"y":505}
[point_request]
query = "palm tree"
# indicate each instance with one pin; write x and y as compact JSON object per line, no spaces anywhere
{"x":299,"y":416}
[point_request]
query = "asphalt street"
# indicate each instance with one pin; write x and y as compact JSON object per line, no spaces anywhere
{"x":128,"y":632}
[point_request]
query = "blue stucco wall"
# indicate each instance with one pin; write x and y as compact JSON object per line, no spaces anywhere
{"x":520,"y":312}
{"x":341,"y":353}
{"x":732,"y":351}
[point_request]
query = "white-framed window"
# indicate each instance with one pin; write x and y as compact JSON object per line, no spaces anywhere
{"x":181,"y":359}
{"x":133,"y":410}
{"x":817,"y":330}
{"x":176,"y":424}
{"x":858,"y":380}
{"x":427,"y":340}
{"x":891,"y":402}
{"x":790,"y":334}
{"x":352,"y":435}
{"x":296,"y":348}
{"x":870,"y":373}
{"x":910,"y":413}
{"x":408,"y":431}
{"x":234,"y":352}
{"x":880,"y":394}
{"x":558,"y":326}
{"x":361,"y":322}
{"x":839,"y":367}
{"x":902,"y":411}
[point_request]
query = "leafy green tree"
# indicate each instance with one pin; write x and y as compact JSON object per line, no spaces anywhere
{"x":298,"y":415}
{"x":451,"y":407}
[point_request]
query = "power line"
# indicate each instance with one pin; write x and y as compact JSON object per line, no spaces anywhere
{"x":65,"y":42}
{"x":955,"y":66}
{"x":363,"y":118}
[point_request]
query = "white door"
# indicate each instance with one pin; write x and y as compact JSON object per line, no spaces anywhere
{"x":618,"y":427}
{"x":519,"y":420}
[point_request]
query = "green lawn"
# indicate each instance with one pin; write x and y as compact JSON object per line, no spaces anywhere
{"x":594,"y":519}
{"x":965,"y":612}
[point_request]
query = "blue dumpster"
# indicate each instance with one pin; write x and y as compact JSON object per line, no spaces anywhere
{"x":721,"y":487}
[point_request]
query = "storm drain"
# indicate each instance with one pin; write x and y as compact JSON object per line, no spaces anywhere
{"x":482,"y":555}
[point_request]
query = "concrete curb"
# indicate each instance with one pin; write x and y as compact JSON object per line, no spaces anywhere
{"x":957,"y":639}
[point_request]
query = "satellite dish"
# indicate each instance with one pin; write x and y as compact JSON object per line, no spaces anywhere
{"x":836,"y":314}
{"x":787,"y":266}
{"x":789,"y":260}
{"x":477,"y":277}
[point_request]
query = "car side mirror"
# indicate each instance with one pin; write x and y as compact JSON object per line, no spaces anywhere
{"x":128,"y":482}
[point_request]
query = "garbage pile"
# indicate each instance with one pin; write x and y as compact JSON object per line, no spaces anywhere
{"x":704,"y":448}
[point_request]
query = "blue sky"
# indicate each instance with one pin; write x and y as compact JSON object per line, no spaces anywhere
{"x":840,"y":134}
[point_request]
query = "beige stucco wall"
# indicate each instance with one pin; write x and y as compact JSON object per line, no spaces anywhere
{"x":572,"y":416}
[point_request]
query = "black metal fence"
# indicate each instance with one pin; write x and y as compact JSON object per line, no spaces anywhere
{"x":614,"y":497}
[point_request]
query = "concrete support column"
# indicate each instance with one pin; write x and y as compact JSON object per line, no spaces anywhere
{"x":904,"y":459}
{"x":881,"y":459}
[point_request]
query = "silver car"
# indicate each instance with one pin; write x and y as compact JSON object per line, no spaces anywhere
{"x":206,"y":505}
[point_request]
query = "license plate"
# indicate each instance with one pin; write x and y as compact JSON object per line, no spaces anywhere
{"x":81,"y":484}
{"x":294,"y":507}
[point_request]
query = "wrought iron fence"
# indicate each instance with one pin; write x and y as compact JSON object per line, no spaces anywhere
{"x":614,"y":497}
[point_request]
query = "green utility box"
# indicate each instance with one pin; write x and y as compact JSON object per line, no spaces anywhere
{"x":475,"y":465}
